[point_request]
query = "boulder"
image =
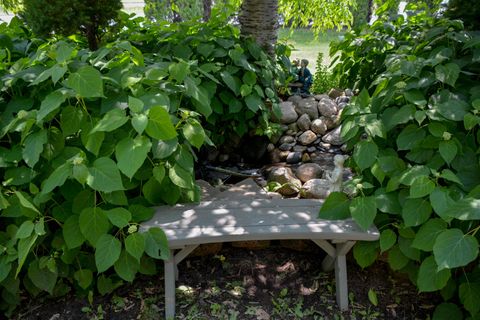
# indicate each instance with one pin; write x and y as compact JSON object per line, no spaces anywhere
{"x":295,"y":99}
{"x":327,"y":108}
{"x":333,"y":137}
{"x":288,"y":113}
{"x":307,"y":106}
{"x":307,"y":137}
{"x":348,"y":92}
{"x":306,"y":157}
{"x":286,"y":146}
{"x":308,"y":171}
{"x":270,"y":147}
{"x":319,"y":97}
{"x":274,"y":156}
{"x":284,"y":176}
{"x":318,"y":126}
{"x":315,"y":189}
{"x":335,"y":93}
{"x":304,"y":122}
{"x":342,"y":99}
{"x":286,"y":139}
{"x":293,"y":127}
{"x":330,"y":122}
{"x":299,"y":148}
{"x":294,"y":157}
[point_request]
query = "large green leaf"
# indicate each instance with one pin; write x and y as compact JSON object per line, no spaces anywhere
{"x":23,"y":248}
{"x":87,"y":82}
{"x":107,"y":252}
{"x":464,"y":209}
{"x":156,"y":244}
{"x":396,"y":259}
{"x":363,"y":210}
{"x":51,"y":103}
{"x":429,"y":278}
{"x":469,"y":293}
{"x":387,"y":239}
{"x":119,"y":217}
{"x":441,"y":202}
{"x":365,"y":253}
{"x":139,"y":122}
{"x":112,"y":120}
{"x":365,"y":154}
{"x":42,"y":278}
{"x":421,"y":187}
{"x":84,"y":278}
{"x":447,"y":73}
{"x":126,"y":266}
{"x":135,"y":245}
{"x":104,"y":176}
{"x":451,"y":106}
{"x":416,"y":211}
{"x":454,"y":249}
{"x":179,"y":70}
{"x":253,"y":102}
{"x":34,"y":147}
{"x":335,"y":207}
{"x":448,"y":150}
{"x":447,"y":311}
{"x":194,"y":133}
{"x":428,"y":233}
{"x":232,"y":82}
{"x":71,"y":120}
{"x":131,"y":153}
{"x":93,"y":224}
{"x":25,"y":230}
{"x":409,"y":136}
{"x":181,"y":177}
{"x":71,"y":232}
{"x":57,"y":178}
{"x":159,"y":124}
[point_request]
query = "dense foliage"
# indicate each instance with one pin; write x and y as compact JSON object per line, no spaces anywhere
{"x":91,"y":17}
{"x":323,"y":80}
{"x":90,"y":141}
{"x":415,"y":140}
{"x":465,"y":10}
{"x":179,"y":10}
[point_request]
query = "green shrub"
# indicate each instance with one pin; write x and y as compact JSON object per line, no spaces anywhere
{"x":90,"y":141}
{"x":324,"y":79}
{"x":415,"y":143}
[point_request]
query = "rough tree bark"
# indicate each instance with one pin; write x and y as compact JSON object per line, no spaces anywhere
{"x":259,"y":18}
{"x":207,"y":10}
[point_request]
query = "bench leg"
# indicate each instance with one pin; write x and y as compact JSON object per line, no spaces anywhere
{"x":341,"y":274}
{"x":170,"y":267}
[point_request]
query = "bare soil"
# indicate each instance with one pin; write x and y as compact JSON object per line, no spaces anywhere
{"x":272,"y":283}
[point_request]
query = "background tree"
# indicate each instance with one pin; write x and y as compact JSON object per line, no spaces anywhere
{"x":173,"y":10}
{"x":466,"y":10}
{"x":67,"y":17}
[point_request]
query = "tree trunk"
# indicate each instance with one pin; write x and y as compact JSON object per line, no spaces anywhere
{"x":369,"y":11}
{"x":259,"y":18}
{"x":207,"y":10}
{"x":91,"y":33}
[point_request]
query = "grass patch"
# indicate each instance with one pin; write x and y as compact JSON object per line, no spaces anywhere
{"x":307,"y":46}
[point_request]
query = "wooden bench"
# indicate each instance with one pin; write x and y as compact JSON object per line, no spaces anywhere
{"x":188,"y":226}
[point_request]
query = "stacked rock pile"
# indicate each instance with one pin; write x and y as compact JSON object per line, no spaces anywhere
{"x":310,"y":139}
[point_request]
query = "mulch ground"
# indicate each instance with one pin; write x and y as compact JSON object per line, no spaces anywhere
{"x":272,"y":283}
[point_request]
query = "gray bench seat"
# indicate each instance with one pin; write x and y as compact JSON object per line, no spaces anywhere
{"x":187,"y":226}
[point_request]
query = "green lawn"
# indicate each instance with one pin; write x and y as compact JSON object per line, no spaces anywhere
{"x":307,"y":46}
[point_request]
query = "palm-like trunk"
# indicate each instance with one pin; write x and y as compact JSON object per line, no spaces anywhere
{"x":259,"y":18}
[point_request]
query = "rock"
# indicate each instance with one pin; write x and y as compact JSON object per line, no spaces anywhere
{"x":286,"y":146}
{"x":309,"y":171}
{"x":319,"y":97}
{"x":307,"y":137}
{"x":311,"y":149}
{"x":308,"y":106}
{"x":318,"y":126}
{"x":317,"y":141}
{"x":341,"y":105}
{"x":275,"y":156}
{"x":299,"y":148}
{"x":223,"y":157}
{"x":284,"y":176}
{"x":344,"y":148}
{"x":291,"y":132}
{"x":315,"y":189}
{"x":348,"y":92}
{"x":283,"y":155}
{"x":333,"y":137}
{"x":327,"y":108}
{"x":293,"y":127}
{"x":286,"y":139}
{"x":288,"y":112}
{"x":295,"y":99}
{"x":335,"y":93}
{"x":299,"y":134}
{"x":294,"y":157}
{"x":304,"y":122}
{"x":283,"y":127}
{"x":329,"y":122}
{"x":324,"y":145}
{"x":343,"y":99}
{"x":306,"y":157}
{"x":270,"y":147}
